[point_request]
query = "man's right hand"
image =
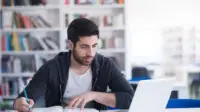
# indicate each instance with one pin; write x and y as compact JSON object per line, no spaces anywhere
{"x":22,"y":105}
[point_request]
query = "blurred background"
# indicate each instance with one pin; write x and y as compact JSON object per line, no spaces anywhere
{"x":147,"y":38}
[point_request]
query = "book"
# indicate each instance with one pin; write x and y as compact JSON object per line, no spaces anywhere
{"x":1,"y":24}
{"x":61,"y":109}
{"x":3,"y":43}
{"x":120,"y":1}
{"x":7,"y":19}
{"x":66,"y":2}
{"x":15,"y":42}
{"x":50,"y":43}
{"x":26,"y":64}
{"x":43,"y":21}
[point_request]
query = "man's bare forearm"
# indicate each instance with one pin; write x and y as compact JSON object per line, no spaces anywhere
{"x":107,"y":99}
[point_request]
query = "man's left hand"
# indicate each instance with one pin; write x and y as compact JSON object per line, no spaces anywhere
{"x":82,"y":100}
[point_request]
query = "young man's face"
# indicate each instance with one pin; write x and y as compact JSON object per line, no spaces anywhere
{"x":85,"y":49}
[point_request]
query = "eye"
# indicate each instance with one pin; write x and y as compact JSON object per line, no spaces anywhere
{"x":94,"y":46}
{"x":83,"y":46}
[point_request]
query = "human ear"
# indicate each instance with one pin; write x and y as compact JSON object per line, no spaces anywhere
{"x":70,"y":45}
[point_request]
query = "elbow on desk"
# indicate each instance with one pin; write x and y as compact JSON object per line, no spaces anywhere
{"x":123,"y":100}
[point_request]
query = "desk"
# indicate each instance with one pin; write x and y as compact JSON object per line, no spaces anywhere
{"x":184,"y":110}
{"x":167,"y":110}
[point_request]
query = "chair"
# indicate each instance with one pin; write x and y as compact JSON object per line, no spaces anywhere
{"x":138,"y":74}
{"x":183,"y":103}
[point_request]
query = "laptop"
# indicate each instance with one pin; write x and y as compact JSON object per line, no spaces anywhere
{"x":152,"y":95}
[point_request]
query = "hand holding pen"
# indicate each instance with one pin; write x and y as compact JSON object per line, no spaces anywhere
{"x":27,"y":100}
{"x":24,"y":104}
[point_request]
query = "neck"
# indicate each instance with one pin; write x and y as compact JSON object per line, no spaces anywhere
{"x":78,"y":68}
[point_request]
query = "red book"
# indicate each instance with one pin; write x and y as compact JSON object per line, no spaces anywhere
{"x":77,"y":2}
{"x":44,"y":2}
{"x":3,"y":43}
{"x":1,"y":90}
{"x":105,"y":21}
{"x":18,"y":18}
{"x":66,"y":2}
{"x":3,"y":3}
{"x":26,"y":21}
{"x":120,"y":1}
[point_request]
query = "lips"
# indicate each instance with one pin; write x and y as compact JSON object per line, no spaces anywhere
{"x":88,"y":59}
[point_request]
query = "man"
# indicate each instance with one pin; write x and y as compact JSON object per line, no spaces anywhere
{"x":80,"y":77}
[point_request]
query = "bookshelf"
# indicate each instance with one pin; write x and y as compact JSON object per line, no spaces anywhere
{"x":17,"y":74}
{"x":110,"y":18}
{"x":30,"y":30}
{"x":47,"y":7}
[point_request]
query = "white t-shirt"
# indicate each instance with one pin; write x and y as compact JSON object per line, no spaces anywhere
{"x":77,"y":84}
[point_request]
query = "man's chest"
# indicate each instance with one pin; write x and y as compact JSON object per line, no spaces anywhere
{"x":77,"y":84}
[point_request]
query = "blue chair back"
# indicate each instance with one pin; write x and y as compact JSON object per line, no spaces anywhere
{"x":140,"y":73}
{"x":140,"y":78}
{"x":183,"y":103}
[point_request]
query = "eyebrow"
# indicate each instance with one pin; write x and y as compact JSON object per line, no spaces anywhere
{"x":88,"y":45}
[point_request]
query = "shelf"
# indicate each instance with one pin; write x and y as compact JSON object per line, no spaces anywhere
{"x":111,"y":28}
{"x":30,"y":30}
{"x":55,"y":52}
{"x":112,"y":50}
{"x":95,"y":6}
{"x":9,"y":97}
{"x":29,"y":52}
{"x":17,"y":74}
{"x":47,"y":7}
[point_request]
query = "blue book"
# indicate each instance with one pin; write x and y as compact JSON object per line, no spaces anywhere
{"x":1,"y":26}
{"x":21,"y":42}
{"x":8,"y":42}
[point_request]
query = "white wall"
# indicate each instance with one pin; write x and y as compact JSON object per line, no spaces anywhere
{"x":146,"y":18}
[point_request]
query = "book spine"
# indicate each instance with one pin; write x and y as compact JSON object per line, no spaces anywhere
{"x":120,"y":1}
{"x":3,"y":43}
{"x":66,"y":2}
{"x":7,"y":19}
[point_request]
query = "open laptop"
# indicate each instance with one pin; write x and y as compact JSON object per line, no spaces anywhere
{"x":152,"y":95}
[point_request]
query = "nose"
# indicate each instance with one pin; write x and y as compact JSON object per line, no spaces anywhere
{"x":91,"y":52}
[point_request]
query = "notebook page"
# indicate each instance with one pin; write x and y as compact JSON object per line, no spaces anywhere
{"x":79,"y":110}
{"x":49,"y":109}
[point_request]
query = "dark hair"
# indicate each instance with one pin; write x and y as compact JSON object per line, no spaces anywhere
{"x":81,"y":27}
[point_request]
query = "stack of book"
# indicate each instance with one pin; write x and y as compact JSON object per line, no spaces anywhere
{"x":18,"y":20}
{"x":26,"y":42}
{"x":78,"y":2}
{"x":22,"y":2}
{"x":104,"y":20}
{"x":111,"y":42}
{"x":18,"y":64}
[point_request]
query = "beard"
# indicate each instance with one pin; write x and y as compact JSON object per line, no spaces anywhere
{"x":82,"y":60}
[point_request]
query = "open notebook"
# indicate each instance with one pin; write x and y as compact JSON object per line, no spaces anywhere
{"x":61,"y":109}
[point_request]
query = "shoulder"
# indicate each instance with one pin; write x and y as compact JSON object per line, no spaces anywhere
{"x":55,"y":60}
{"x":103,"y":60}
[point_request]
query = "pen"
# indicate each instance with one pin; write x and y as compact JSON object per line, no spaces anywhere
{"x":26,"y":95}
